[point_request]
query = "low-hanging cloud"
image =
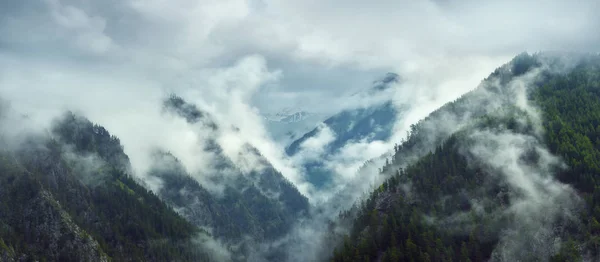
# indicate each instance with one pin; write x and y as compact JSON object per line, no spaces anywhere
{"x":149,"y":46}
{"x":540,"y":208}
{"x":314,"y":147}
{"x":115,"y":61}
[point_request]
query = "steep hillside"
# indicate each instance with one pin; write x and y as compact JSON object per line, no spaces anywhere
{"x":368,"y":124}
{"x":254,"y":205}
{"x":72,"y":198}
{"x":67,"y":197}
{"x":505,"y":173}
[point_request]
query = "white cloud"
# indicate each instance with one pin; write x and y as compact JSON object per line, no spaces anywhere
{"x":114,"y":60}
{"x":314,"y":147}
{"x":352,"y":156}
{"x":88,"y":30}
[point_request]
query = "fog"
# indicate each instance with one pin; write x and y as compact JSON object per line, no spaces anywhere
{"x":116,"y":61}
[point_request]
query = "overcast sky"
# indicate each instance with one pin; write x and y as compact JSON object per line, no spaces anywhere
{"x":323,"y":47}
{"x":114,"y":60}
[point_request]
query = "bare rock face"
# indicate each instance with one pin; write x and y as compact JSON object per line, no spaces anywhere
{"x":64,"y":239}
{"x":38,"y":218}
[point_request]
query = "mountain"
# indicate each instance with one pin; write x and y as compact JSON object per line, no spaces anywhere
{"x":364,"y":124}
{"x":67,"y":196}
{"x":288,"y":115}
{"x":259,"y":204}
{"x":507,"y":172}
{"x":286,"y":126}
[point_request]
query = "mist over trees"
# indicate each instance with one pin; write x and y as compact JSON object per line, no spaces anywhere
{"x":68,"y":196}
{"x":299,"y":130}
{"x":506,"y":172}
{"x":515,"y":181}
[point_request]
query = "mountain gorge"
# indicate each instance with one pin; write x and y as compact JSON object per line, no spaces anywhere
{"x":97,"y":211}
{"x":299,"y":131}
{"x":506,"y":172}
{"x":253,"y":205}
{"x":371,"y":122}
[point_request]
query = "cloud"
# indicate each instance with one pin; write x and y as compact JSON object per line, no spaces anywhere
{"x":88,"y":30}
{"x":533,"y":222}
{"x":327,"y":47}
{"x":216,"y":250}
{"x":409,"y":30}
{"x":314,"y":147}
{"x":540,"y":205}
{"x":352,"y":156}
{"x":52,"y":25}
{"x":115,"y":61}
{"x":324,"y":47}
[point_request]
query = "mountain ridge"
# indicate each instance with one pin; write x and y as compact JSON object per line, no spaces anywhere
{"x":507,"y":171}
{"x":363,"y":124}
{"x":416,"y":212}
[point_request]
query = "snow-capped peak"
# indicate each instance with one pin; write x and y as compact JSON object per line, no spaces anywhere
{"x":288,"y":115}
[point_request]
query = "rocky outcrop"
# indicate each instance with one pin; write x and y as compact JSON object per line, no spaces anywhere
{"x":34,"y":217}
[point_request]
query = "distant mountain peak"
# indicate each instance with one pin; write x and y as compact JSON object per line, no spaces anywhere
{"x":188,"y":111}
{"x":388,"y":80}
{"x":288,"y":115}
{"x":380,"y":85}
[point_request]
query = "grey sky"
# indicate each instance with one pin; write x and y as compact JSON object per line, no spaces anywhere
{"x":323,"y":47}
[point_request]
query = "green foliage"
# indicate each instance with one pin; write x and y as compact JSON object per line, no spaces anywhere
{"x":3,"y":245}
{"x":237,"y":213}
{"x":392,"y":224}
{"x":570,"y":103}
{"x":128,"y":222}
{"x":397,"y":229}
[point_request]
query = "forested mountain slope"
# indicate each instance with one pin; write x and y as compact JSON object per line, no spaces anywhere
{"x":254,"y":206}
{"x":67,"y":196}
{"x":505,"y":173}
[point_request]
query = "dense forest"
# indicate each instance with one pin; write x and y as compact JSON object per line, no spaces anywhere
{"x":490,"y":188}
{"x":80,"y":173}
{"x":72,"y":199}
{"x":506,"y":172}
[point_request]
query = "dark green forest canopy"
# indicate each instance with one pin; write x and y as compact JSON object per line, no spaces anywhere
{"x":103,"y":213}
{"x":447,"y":198}
{"x":83,"y":167}
{"x":413,"y":215}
